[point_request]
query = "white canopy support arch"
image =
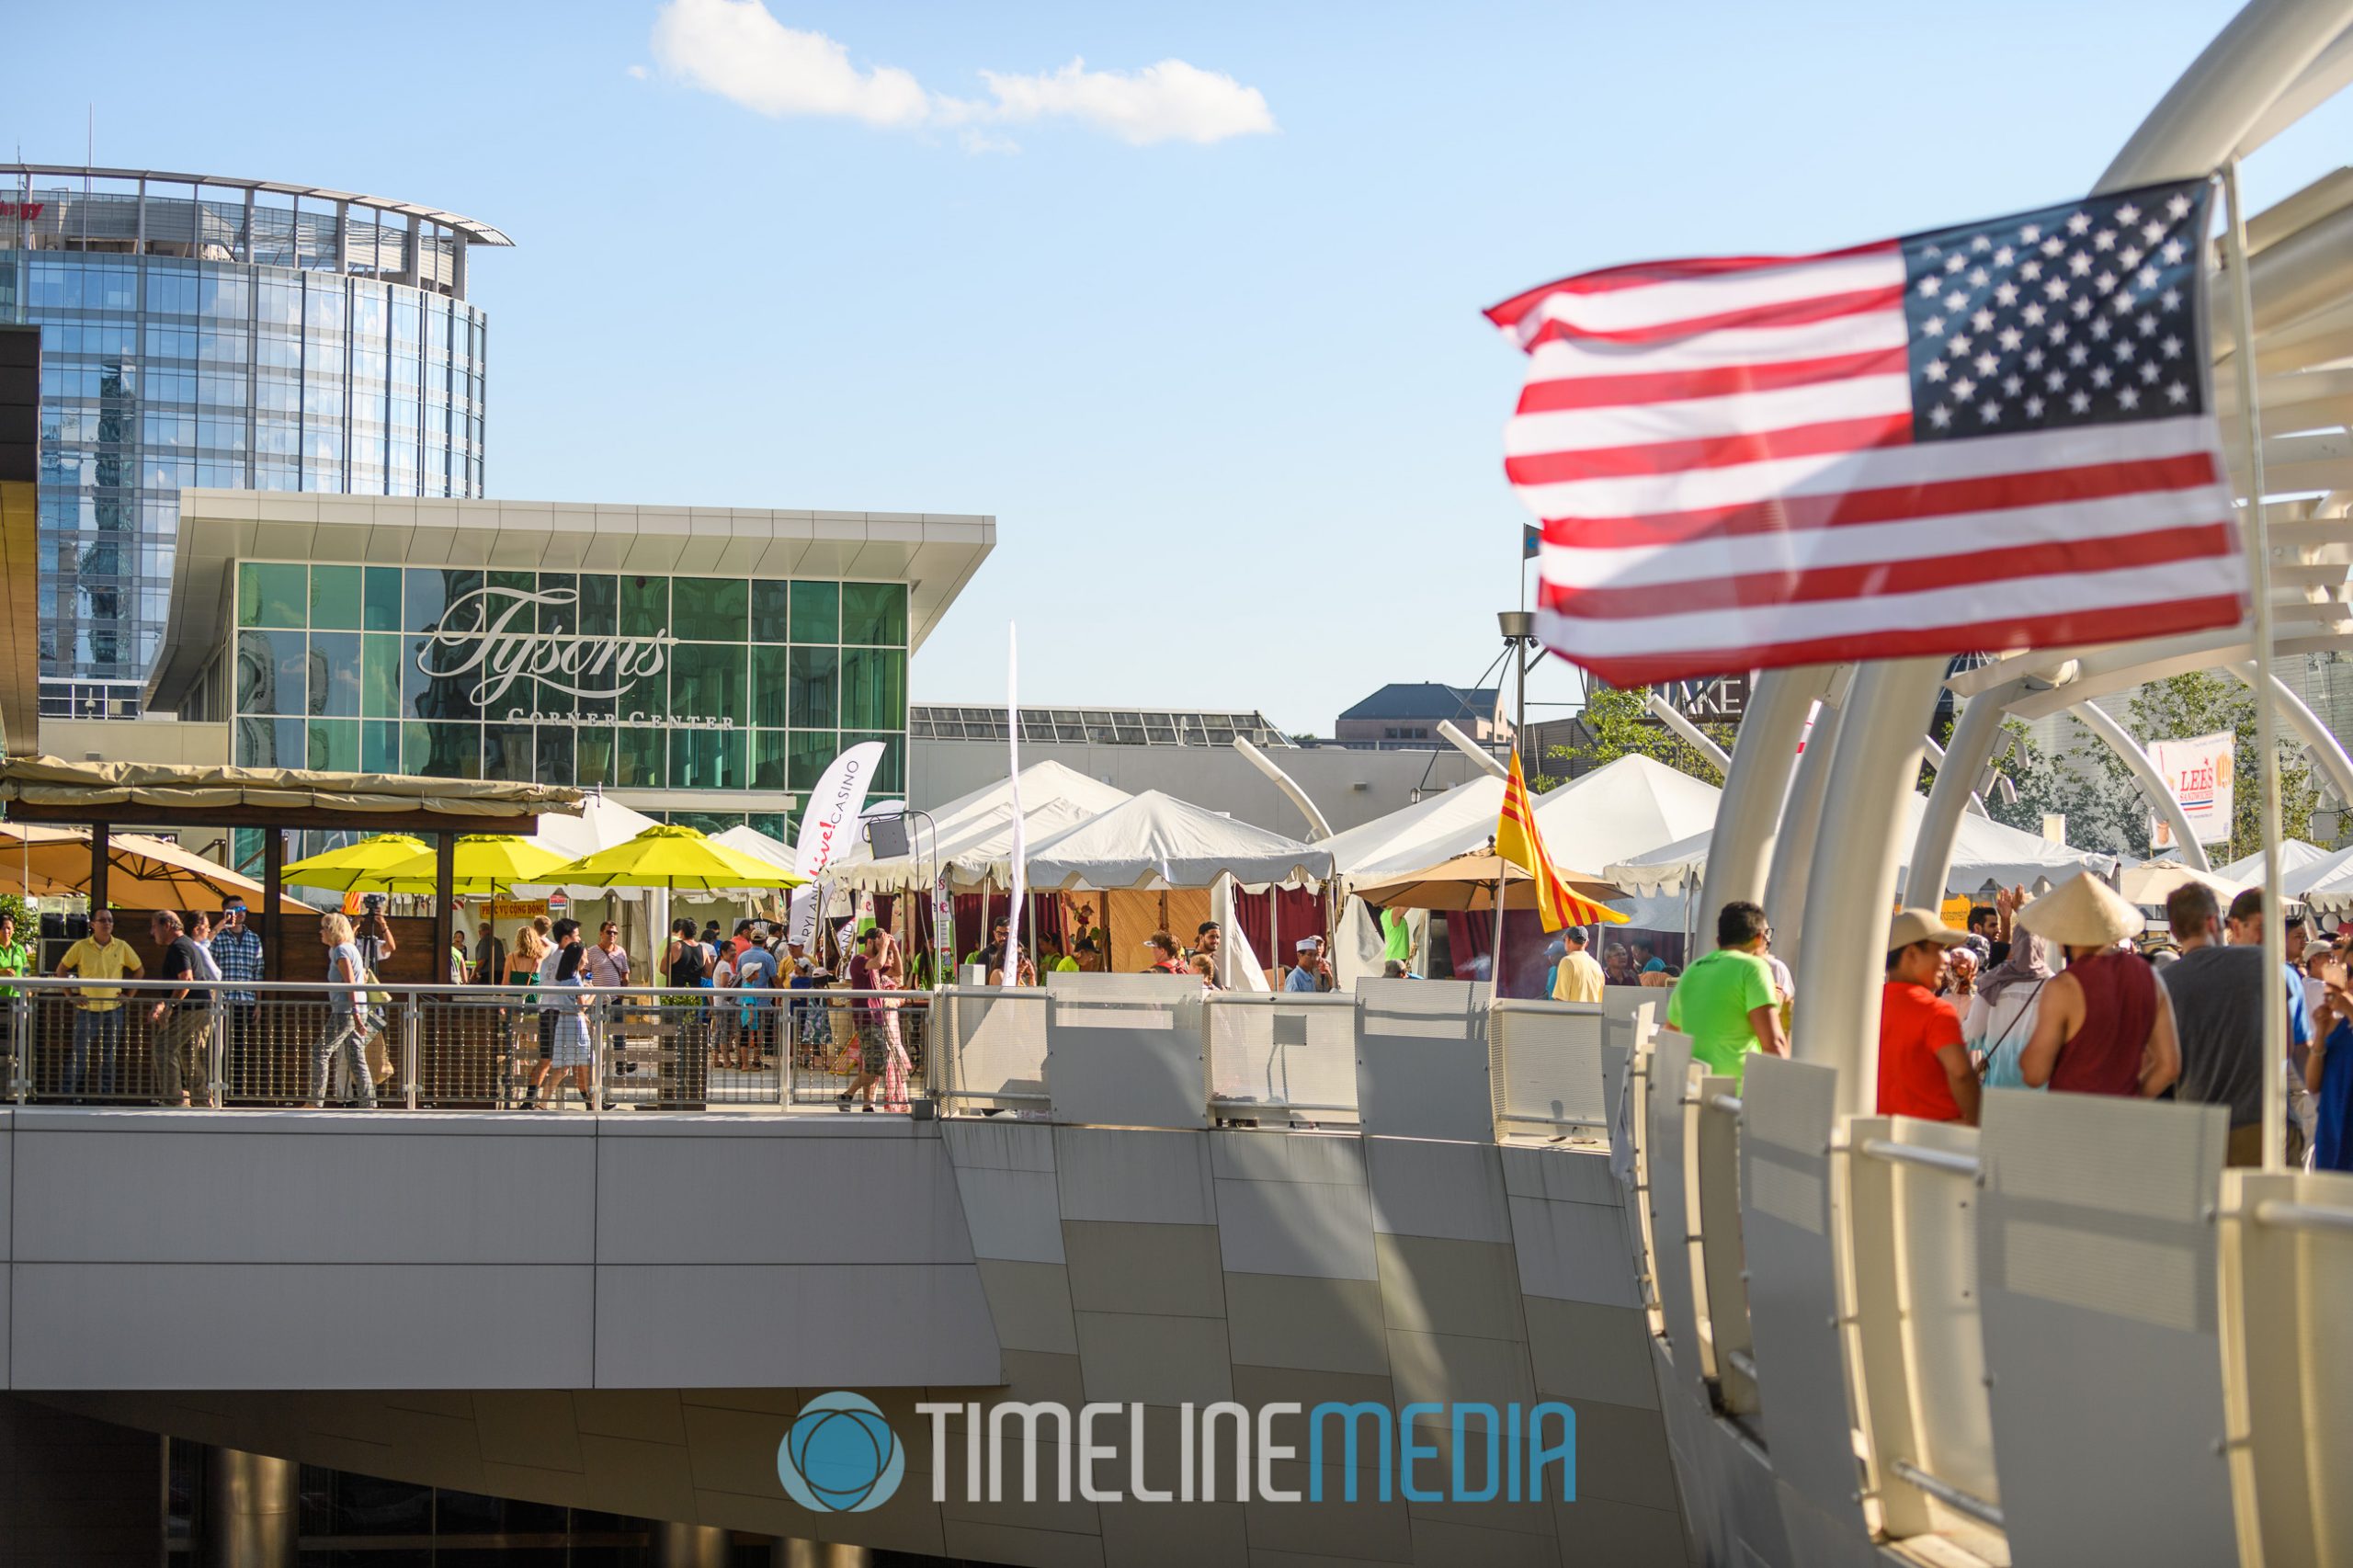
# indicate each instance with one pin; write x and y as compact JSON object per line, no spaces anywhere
{"x":2144,"y":772}
{"x":2325,"y":747}
{"x":1974,"y":738}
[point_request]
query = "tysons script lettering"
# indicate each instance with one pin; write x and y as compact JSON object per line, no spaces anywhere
{"x":479,"y":633}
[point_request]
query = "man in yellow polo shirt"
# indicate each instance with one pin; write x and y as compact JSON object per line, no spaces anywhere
{"x":97,"y":1016}
{"x":1578,"y":978}
{"x":1726,"y":1002}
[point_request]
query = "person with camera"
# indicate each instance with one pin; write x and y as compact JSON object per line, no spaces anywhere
{"x":236,"y":948}
{"x":371,"y":934}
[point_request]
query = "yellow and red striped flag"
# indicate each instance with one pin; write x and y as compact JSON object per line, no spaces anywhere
{"x":1519,"y":840}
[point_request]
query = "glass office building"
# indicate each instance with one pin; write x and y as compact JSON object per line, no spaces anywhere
{"x":632,"y":682}
{"x":200,"y":331}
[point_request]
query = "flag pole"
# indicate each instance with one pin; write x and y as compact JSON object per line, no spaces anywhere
{"x":2259,"y":553}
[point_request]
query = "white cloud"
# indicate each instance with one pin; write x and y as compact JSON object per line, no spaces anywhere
{"x":739,"y":51}
{"x":1168,"y":102}
{"x":637,"y":73}
{"x":736,"y":48}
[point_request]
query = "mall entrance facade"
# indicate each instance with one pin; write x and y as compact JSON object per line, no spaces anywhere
{"x":700,"y":665}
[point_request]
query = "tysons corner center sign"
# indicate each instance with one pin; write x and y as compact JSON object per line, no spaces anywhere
{"x":492,"y":634}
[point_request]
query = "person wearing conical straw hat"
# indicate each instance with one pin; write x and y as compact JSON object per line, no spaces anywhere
{"x":2104,"y":1025}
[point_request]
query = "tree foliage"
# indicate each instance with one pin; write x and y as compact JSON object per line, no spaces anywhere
{"x":1617,"y":724}
{"x":2103,"y":802}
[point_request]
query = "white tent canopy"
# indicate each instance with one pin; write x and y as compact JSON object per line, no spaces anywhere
{"x":1630,"y":807}
{"x":970,"y":833}
{"x":2295,"y":855}
{"x":758,"y":844}
{"x":601,"y":825}
{"x":1446,"y":814}
{"x":2326,"y":883}
{"x":1155,"y":841}
{"x":1984,"y":851}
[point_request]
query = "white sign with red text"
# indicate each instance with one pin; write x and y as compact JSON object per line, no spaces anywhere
{"x":2197,"y":771}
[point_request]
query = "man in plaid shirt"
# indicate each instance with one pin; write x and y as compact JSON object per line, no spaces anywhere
{"x":236,"y":948}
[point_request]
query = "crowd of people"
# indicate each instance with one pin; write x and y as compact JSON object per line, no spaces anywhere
{"x":2065,"y":993}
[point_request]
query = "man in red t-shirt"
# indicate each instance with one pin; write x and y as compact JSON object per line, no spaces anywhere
{"x":1924,"y":1067}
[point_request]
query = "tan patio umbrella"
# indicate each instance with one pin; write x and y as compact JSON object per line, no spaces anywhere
{"x":1468,"y":882}
{"x":142,"y":872}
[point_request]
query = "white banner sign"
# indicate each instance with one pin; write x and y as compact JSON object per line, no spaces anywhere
{"x":2197,"y":771}
{"x":828,"y":824}
{"x":830,"y":820}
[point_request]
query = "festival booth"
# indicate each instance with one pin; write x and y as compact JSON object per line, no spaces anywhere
{"x":1593,"y":821}
{"x":1161,"y":864}
{"x":966,"y":843}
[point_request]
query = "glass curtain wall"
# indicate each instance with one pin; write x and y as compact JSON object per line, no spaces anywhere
{"x":231,"y":351}
{"x":631,"y":682}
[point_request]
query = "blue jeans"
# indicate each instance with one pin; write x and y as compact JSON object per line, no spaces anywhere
{"x":345,"y":1033}
{"x":103,"y":1029}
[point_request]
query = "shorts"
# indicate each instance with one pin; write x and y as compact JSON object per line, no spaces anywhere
{"x":547,"y":1034}
{"x":873,"y":1049}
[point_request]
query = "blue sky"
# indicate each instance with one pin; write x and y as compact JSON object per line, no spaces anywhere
{"x":1230,"y":398}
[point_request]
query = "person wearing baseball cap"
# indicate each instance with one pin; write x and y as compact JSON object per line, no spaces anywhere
{"x":1923,"y":1066}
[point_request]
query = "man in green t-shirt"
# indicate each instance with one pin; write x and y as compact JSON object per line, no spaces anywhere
{"x":1726,"y":1001}
{"x":15,"y":959}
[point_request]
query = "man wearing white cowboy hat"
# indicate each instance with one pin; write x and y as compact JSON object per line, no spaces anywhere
{"x":2103,"y":1026}
{"x":1923,"y":1066}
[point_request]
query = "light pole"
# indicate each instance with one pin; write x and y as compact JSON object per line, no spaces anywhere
{"x":1519,"y":637}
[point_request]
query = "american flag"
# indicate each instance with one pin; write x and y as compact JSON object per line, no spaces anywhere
{"x":1995,"y":435}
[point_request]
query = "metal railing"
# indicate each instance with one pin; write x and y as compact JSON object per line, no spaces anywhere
{"x":1545,"y":1061}
{"x":990,"y":1052}
{"x":1279,"y":1057}
{"x":284,"y":1043}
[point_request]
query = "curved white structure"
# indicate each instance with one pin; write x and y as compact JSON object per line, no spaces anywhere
{"x":2062,"y":1339}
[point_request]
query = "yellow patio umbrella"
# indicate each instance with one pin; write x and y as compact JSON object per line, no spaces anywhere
{"x":353,"y":864}
{"x":679,"y":859}
{"x":484,"y":862}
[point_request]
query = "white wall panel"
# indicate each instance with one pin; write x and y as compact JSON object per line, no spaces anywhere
{"x":198,"y":1187}
{"x":2098,"y":1262}
{"x":1427,"y":1188}
{"x":1136,"y":1176}
{"x":753,"y":1201}
{"x":889,"y":1325}
{"x":1312,"y":1227}
{"x":232,"y":1326}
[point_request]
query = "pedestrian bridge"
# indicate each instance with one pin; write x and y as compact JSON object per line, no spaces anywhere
{"x":625,"y":1311}
{"x":1789,"y":1336}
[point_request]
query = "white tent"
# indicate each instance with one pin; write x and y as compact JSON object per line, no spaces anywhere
{"x":1448,"y":814}
{"x":601,"y":825}
{"x":2295,"y":855}
{"x":758,"y":846}
{"x":1154,"y":840}
{"x":1983,"y":851}
{"x":2326,"y":883}
{"x":1625,"y":809}
{"x":973,"y":831}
